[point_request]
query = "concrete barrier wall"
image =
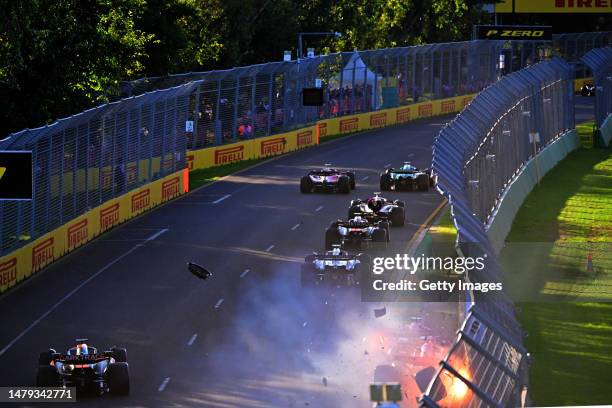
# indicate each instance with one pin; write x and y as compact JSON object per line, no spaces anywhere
{"x":514,"y":195}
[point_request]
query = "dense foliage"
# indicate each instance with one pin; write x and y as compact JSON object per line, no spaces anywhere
{"x":58,"y":57}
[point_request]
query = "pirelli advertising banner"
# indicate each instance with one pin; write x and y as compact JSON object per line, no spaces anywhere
{"x":522,"y":33}
{"x":33,"y":257}
{"x":554,"y":6}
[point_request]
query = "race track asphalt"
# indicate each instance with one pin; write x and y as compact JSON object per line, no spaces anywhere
{"x":251,"y":336}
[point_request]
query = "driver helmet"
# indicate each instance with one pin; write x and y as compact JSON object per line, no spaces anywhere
{"x":336,"y":251}
{"x":375,"y":203}
{"x":357,"y":220}
{"x":82,"y":349}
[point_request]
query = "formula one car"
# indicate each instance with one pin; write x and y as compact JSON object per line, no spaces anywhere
{"x":328,"y":179}
{"x":336,"y":266}
{"x":378,"y":208}
{"x":86,"y":369}
{"x":407,"y":177}
{"x":587,"y":90}
{"x":357,"y":233}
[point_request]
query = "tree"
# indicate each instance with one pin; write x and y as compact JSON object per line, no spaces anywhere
{"x":59,"y":56}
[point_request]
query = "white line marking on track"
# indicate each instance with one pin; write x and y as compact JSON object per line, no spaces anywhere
{"x":244,"y":273}
{"x":364,"y":178}
{"x":296,"y":226}
{"x":219,"y":303}
{"x":271,"y":247}
{"x":319,"y":208}
{"x":163,"y":385}
{"x":152,"y":237}
{"x":75,"y":290}
{"x":192,"y":339}
{"x":217,"y":201}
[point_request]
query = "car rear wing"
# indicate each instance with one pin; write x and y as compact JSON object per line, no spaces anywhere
{"x":81,"y":359}
{"x":335,"y":258}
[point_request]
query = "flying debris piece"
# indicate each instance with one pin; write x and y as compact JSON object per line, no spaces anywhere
{"x":199,"y":271}
{"x":325,"y":381}
{"x":380,"y":312}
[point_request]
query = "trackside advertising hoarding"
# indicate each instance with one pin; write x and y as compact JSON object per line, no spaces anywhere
{"x":554,"y":6}
{"x":505,"y":32}
{"x":31,"y":258}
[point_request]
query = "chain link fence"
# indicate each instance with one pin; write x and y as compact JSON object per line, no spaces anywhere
{"x":518,"y":117}
{"x":571,"y":47}
{"x":87,"y":159}
{"x":600,"y":63}
{"x":476,"y":157}
{"x":261,"y":100}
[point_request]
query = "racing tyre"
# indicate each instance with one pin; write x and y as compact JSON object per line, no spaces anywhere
{"x":305,"y":185}
{"x":119,"y":354}
{"x":118,"y":378}
{"x":331,"y":238}
{"x":334,"y":224}
{"x":379,"y":236}
{"x":45,"y":357}
{"x":399,"y":203}
{"x":352,"y":211}
{"x":344,"y":185}
{"x":351,"y":176}
{"x":47,"y":376}
{"x":385,"y":182}
{"x":423,"y":182}
{"x":385,"y":225}
{"x":397,"y":216}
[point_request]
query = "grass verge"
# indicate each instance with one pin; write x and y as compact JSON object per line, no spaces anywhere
{"x":564,"y":219}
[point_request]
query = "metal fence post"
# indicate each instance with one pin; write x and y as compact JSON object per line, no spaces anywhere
{"x":270,"y":107}
{"x":235,"y":117}
{"x":195,"y":137}
{"x":218,"y":126}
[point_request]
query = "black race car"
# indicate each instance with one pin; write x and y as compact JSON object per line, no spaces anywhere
{"x":328,"y":179}
{"x":378,"y":208}
{"x":86,"y":369}
{"x":587,"y":90}
{"x":357,"y":233}
{"x":407,"y":177}
{"x":336,"y":267}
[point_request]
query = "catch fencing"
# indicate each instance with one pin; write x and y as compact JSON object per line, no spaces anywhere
{"x":476,"y":158}
{"x":261,"y":100}
{"x":87,"y":159}
{"x":600,"y":63}
{"x":571,"y":47}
